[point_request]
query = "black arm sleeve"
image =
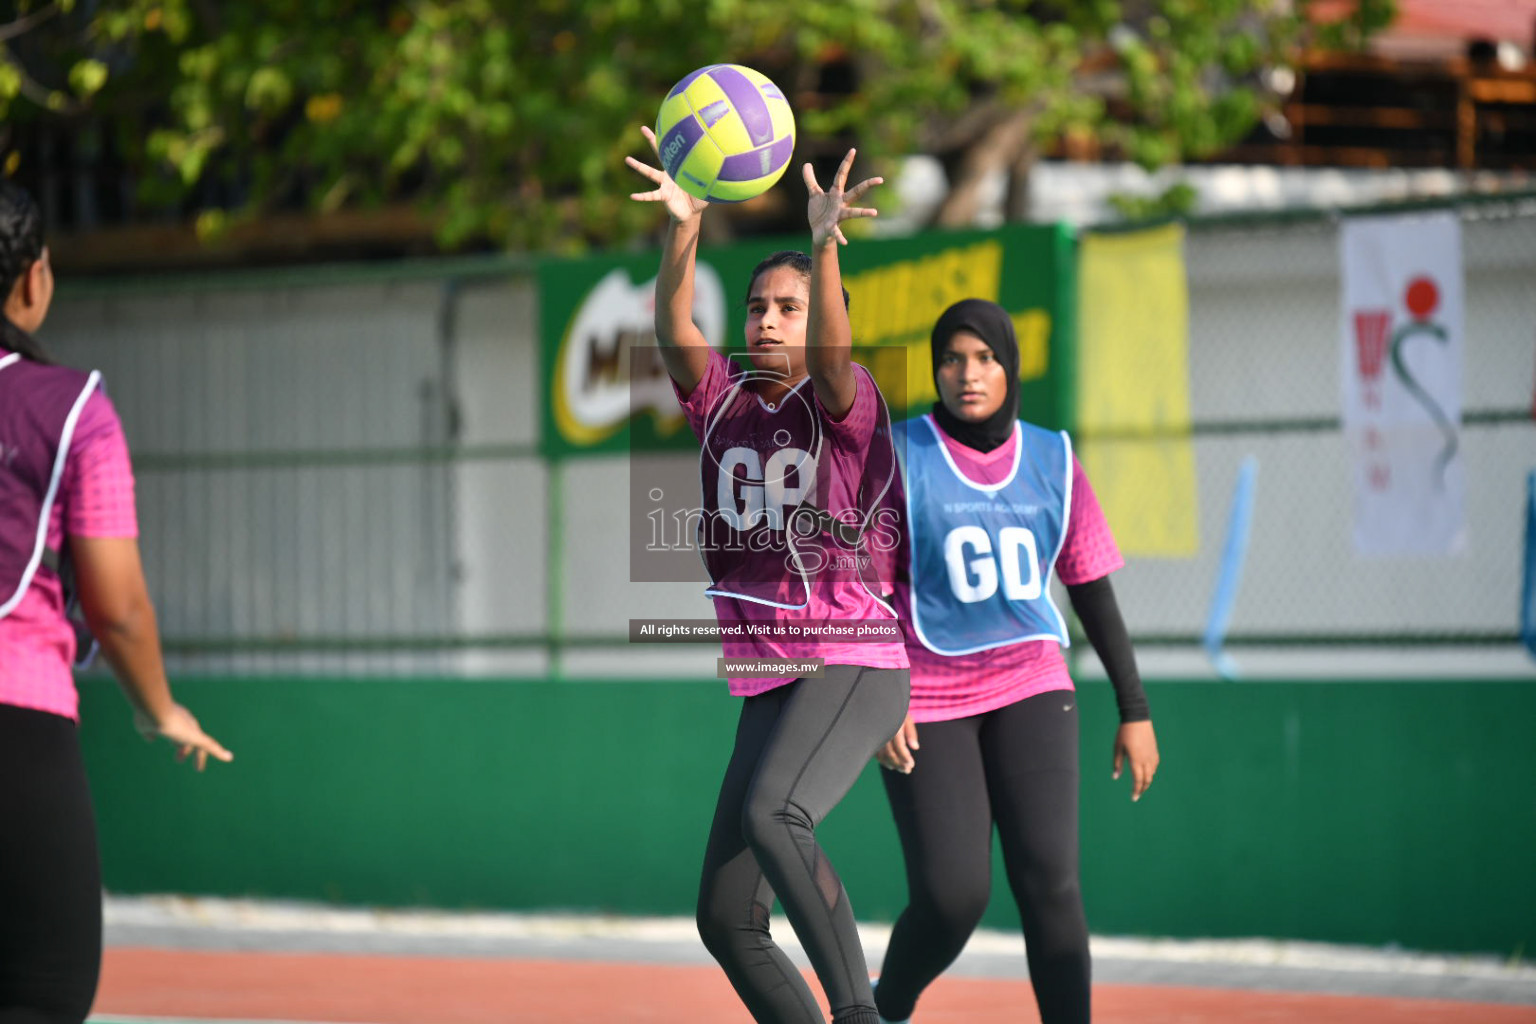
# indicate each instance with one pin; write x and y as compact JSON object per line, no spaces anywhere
{"x":1096,"y":607}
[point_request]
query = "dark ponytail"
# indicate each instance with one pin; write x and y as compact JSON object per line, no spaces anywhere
{"x":21,"y":245}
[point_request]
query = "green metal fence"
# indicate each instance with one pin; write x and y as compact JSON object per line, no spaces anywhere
{"x":342,"y":470}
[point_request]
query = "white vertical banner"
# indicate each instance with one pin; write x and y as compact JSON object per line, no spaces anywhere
{"x":1402,"y":331}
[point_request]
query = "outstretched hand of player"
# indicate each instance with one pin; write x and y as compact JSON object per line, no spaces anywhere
{"x":831,"y":206}
{"x":179,"y":727}
{"x":897,"y":753}
{"x":680,"y":205}
{"x":1136,"y":742}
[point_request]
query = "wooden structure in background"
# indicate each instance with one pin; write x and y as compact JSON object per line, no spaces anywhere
{"x":1379,"y":112}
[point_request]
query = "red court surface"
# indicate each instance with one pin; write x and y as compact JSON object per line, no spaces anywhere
{"x":255,"y":986}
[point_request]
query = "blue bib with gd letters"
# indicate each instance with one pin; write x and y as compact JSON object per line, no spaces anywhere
{"x":982,"y":554}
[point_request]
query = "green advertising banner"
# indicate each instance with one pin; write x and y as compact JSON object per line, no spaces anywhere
{"x":607,"y":391}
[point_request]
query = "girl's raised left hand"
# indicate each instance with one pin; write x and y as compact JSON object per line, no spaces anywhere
{"x":829,"y":207}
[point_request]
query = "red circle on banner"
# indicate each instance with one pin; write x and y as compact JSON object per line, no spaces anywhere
{"x":1422,"y":297}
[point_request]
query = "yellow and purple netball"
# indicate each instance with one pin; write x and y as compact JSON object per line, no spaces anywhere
{"x":725,"y":133}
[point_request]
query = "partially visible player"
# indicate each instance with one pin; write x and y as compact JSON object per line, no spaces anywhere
{"x":801,"y":435}
{"x":66,"y":497}
{"x":994,"y":507}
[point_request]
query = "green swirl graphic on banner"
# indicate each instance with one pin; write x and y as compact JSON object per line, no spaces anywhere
{"x":1422,"y":298}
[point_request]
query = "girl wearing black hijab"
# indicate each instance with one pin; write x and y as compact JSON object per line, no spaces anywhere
{"x":994,"y":507}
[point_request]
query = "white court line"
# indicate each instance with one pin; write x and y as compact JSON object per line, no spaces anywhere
{"x":254,"y":917}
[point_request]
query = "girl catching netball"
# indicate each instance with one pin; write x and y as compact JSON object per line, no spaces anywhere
{"x":66,"y":503}
{"x":994,"y":507}
{"x":795,"y":456}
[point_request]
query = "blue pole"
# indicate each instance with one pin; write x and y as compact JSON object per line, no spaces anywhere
{"x":1230,"y":576}
{"x":1528,"y":591}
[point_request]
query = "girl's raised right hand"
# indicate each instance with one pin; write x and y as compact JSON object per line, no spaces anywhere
{"x":680,"y":205}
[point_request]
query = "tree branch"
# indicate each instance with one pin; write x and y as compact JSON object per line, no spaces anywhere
{"x":948,"y":134}
{"x":20,"y":26}
{"x":998,"y":149}
{"x":41,"y":94}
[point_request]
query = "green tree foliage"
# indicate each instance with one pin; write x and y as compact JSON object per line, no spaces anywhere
{"x":1176,"y":200}
{"x":509,"y":119}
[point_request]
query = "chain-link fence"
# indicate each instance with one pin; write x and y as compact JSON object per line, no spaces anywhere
{"x":1264,"y":382}
{"x":340,"y":471}
{"x":304,"y":475}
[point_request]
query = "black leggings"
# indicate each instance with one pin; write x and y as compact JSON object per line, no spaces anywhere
{"x":799,"y":749}
{"x":1016,"y":766}
{"x":50,"y":877}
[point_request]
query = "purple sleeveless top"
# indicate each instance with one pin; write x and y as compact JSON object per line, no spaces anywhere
{"x":39,"y":407}
{"x":774,"y":477}
{"x":779,"y":512}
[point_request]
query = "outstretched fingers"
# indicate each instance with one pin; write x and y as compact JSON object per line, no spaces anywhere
{"x":810,"y":179}
{"x":840,"y":180}
{"x":654,"y":173}
{"x":853,"y":195}
{"x":832,"y":205}
{"x":650,"y":172}
{"x":857,"y":192}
